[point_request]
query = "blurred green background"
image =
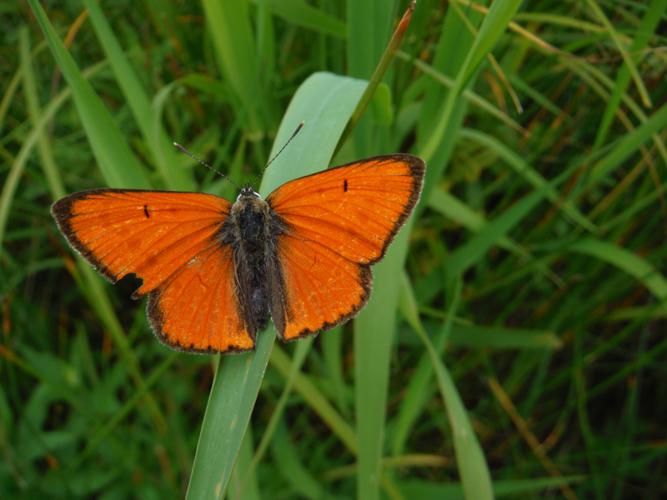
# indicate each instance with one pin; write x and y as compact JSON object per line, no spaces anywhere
{"x":522,"y":351}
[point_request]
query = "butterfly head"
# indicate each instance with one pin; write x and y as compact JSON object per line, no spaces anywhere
{"x":247,"y":192}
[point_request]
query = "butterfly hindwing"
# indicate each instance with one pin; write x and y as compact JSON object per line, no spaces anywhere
{"x":321,"y":288}
{"x":196,"y":309}
{"x":338,"y":222}
{"x":168,"y":239}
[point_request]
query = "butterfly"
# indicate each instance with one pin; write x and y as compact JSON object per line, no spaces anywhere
{"x":215,"y":271}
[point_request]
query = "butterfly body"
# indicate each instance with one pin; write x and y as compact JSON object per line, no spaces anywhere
{"x":252,"y":230}
{"x":215,"y":272}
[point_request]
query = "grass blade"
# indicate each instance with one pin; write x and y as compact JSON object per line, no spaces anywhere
{"x":470,"y":459}
{"x":374,"y":327}
{"x":43,"y":144}
{"x":164,"y":154}
{"x":627,"y":145}
{"x":524,"y":169}
{"x":492,"y":28}
{"x":119,"y":168}
{"x":366,"y":40}
{"x":373,"y":338}
{"x":379,"y":71}
{"x":114,"y":158}
{"x":300,"y":353}
{"x":494,"y":231}
{"x":627,"y":58}
{"x":481,"y":337}
{"x":303,"y":14}
{"x":316,"y":400}
{"x":626,"y":261}
{"x":646,"y":28}
{"x":235,"y":48}
{"x":324,"y":102}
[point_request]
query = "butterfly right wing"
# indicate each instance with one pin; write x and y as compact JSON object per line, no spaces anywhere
{"x":336,"y":224}
{"x":169,"y":240}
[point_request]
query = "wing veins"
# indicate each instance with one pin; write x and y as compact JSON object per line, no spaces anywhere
{"x":211,"y":303}
{"x":321,"y":254}
{"x":334,"y":182}
{"x":102,"y":256}
{"x":166,"y":197}
{"x":304,"y":308}
{"x":349,"y":221}
{"x":318,"y":203}
{"x":183,"y":289}
{"x":330,"y":224}
{"x":188,"y":236}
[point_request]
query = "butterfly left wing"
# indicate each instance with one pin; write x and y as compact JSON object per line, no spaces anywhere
{"x":196,"y":309}
{"x":169,"y":240}
{"x":337,"y":223}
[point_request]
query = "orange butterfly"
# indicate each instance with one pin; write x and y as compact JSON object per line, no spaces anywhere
{"x":214,"y":271}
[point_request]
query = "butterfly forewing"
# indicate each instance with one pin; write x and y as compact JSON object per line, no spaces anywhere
{"x":147,"y":233}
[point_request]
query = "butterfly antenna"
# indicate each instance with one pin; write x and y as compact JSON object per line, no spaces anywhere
{"x":182,"y":149}
{"x":298,"y":129}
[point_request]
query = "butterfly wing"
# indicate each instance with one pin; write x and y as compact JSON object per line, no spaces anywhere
{"x":196,"y":309}
{"x":167,"y":239}
{"x":337,"y":223}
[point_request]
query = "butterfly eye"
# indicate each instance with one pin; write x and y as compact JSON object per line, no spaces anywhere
{"x":247,"y":192}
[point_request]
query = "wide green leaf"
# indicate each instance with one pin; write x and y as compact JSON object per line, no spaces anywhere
{"x":324,"y":102}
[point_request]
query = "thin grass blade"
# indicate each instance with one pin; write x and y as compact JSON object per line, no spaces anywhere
{"x":494,"y":25}
{"x":626,"y":261}
{"x":114,"y":158}
{"x":300,"y":13}
{"x":470,"y":460}
{"x":164,"y":154}
{"x":235,"y":49}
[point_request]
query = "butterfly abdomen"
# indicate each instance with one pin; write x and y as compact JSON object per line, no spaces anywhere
{"x":249,"y":232}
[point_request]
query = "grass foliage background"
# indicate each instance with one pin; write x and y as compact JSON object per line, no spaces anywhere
{"x":520,"y":353}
